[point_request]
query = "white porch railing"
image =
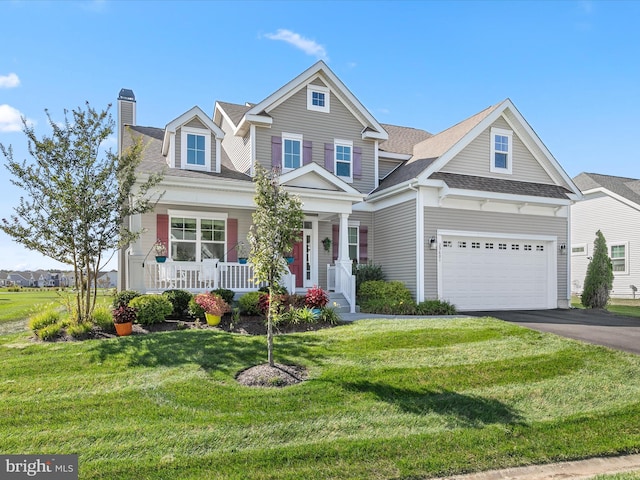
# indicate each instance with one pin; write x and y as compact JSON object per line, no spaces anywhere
{"x":205,"y":276}
{"x":341,"y":280}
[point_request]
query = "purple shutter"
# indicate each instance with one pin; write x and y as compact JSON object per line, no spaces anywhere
{"x":335,"y":240}
{"x":232,"y":240}
{"x":357,"y":162}
{"x":363,"y":244}
{"x":328,"y":156}
{"x":306,"y":152}
{"x":276,"y":152}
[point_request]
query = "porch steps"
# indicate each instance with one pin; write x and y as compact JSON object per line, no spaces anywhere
{"x":337,"y":301}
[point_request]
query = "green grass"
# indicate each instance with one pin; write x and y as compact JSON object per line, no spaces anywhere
{"x":622,"y":306}
{"x":386,"y":399}
{"x":619,"y":476}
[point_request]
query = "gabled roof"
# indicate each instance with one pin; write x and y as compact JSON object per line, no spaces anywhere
{"x":402,"y":139}
{"x":233,"y":111}
{"x":432,"y":154}
{"x":624,"y":187}
{"x":315,"y":177}
{"x":259,"y":113}
{"x":195,"y":112}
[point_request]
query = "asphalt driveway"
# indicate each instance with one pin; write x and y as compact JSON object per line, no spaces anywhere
{"x":593,"y":326}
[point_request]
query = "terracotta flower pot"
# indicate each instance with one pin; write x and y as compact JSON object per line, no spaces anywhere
{"x":212,"y":320}
{"x":124,"y":329}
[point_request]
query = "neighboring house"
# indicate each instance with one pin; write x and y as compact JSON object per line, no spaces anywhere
{"x":477,"y":214}
{"x":612,"y":205}
{"x":4,"y":277}
{"x":108,"y":279}
{"x":22,"y":279}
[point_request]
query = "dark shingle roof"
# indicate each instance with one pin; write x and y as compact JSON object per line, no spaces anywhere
{"x":235,"y":111}
{"x":500,"y":185}
{"x":402,"y":139}
{"x":626,"y":187}
{"x":405,"y":172}
{"x":154,"y":162}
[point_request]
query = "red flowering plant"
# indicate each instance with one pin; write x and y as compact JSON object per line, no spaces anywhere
{"x":124,"y":314}
{"x":212,"y":304}
{"x":316,"y":297}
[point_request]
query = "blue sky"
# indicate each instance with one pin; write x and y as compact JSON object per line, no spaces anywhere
{"x":571,"y":67}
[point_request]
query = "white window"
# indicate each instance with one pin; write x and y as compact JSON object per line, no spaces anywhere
{"x":194,"y":238}
{"x":343,"y":151}
{"x":318,"y":98}
{"x":291,"y":151}
{"x":354,"y":244}
{"x":501,"y":150}
{"x":196,"y":149}
{"x":619,"y":257}
{"x":579,"y":249}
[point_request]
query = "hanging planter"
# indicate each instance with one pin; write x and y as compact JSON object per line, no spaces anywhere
{"x":289,"y":260}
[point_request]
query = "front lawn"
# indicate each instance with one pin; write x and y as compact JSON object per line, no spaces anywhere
{"x":622,"y":306}
{"x":385,"y":399}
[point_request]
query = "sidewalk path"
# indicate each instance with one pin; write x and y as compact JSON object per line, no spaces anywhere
{"x":581,"y":469}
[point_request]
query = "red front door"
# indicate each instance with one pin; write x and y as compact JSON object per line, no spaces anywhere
{"x":298,"y":263}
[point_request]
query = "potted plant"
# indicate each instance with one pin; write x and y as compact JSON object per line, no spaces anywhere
{"x":213,"y":305}
{"x":241,"y":248}
{"x":161,"y":251}
{"x":316,"y":299}
{"x":123,"y":318}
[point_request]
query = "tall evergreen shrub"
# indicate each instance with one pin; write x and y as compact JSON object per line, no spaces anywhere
{"x":599,"y":279}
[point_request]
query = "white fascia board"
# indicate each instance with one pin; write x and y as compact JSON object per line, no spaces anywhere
{"x":367,"y":134}
{"x":325,"y":195}
{"x":317,"y":169}
{"x":187,"y":116}
{"x":506,"y":197}
{"x":611,"y":194}
{"x":248,"y":120}
{"x":218,"y":109}
{"x":394,"y":156}
{"x":399,"y":188}
{"x":513,"y":236}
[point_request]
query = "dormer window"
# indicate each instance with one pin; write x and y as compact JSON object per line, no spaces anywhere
{"x":318,"y":98}
{"x":501,"y":150}
{"x":196,"y":149}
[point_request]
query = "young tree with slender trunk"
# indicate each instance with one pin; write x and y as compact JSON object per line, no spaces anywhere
{"x":76,"y":197}
{"x":599,"y":279}
{"x":277,"y":222}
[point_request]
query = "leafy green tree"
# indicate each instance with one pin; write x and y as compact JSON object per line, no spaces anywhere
{"x":77,"y":196}
{"x":277,"y":222}
{"x":599,"y":279}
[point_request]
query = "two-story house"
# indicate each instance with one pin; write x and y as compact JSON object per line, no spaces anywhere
{"x":477,"y":214}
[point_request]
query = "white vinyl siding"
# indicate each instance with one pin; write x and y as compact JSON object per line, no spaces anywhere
{"x":618,"y":252}
{"x":238,"y":148}
{"x":615,"y":220}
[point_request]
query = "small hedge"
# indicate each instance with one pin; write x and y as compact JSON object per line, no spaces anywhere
{"x":249,"y":303}
{"x":391,"y":298}
{"x":122,"y":299}
{"x":179,"y":300}
{"x":151,"y":309}
{"x":436,"y":307}
{"x":227,"y":295}
{"x":366,"y":273}
{"x":103,"y":319}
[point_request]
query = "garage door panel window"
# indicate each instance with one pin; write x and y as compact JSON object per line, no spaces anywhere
{"x":619,"y":258}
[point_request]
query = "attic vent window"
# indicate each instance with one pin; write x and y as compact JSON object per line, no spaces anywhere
{"x":318,"y":98}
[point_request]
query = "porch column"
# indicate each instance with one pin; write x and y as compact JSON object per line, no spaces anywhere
{"x":343,"y":246}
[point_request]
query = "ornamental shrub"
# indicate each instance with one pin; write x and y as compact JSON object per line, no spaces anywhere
{"x":50,"y":332}
{"x":316,"y":297}
{"x":195,"y":310}
{"x":249,"y":303}
{"x":103,"y":319}
{"x":79,"y":330}
{"x":179,"y":300}
{"x":226,"y":294}
{"x":42,"y":319}
{"x":151,"y":309}
{"x":366,"y":273}
{"x":123,"y":298}
{"x":599,"y":279}
{"x":391,"y":298}
{"x":436,"y":307}
{"x":212,"y":304}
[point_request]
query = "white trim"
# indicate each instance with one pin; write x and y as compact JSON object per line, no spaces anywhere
{"x":376,"y":166}
{"x":552,"y":273}
{"x":583,"y":253}
{"x":218,"y":158}
{"x":186,"y":117}
{"x":343,"y":143}
{"x":199,"y":214}
{"x":620,"y":198}
{"x":338,"y":182}
{"x":394,"y":156}
{"x":252,"y":141}
{"x":172,"y":151}
{"x":626,"y":256}
{"x":492,"y":166}
{"x":420,"y":254}
{"x":294,"y":137}
{"x":311,"y":89}
{"x":184,"y":132}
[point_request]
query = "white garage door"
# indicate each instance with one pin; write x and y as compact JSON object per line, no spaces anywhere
{"x":493,"y":273}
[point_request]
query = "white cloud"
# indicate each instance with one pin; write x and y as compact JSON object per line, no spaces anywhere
{"x":11,"y":119}
{"x":9,"y":81}
{"x":310,"y":47}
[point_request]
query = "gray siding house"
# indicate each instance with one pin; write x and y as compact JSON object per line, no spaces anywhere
{"x":477,"y":214}
{"x":611,"y":205}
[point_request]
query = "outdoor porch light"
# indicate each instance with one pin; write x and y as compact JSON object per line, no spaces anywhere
{"x":563,"y":248}
{"x":432,"y":243}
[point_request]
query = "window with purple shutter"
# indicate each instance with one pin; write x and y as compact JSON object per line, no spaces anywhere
{"x":328,"y":156}
{"x":357,"y":162}
{"x":306,"y":152}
